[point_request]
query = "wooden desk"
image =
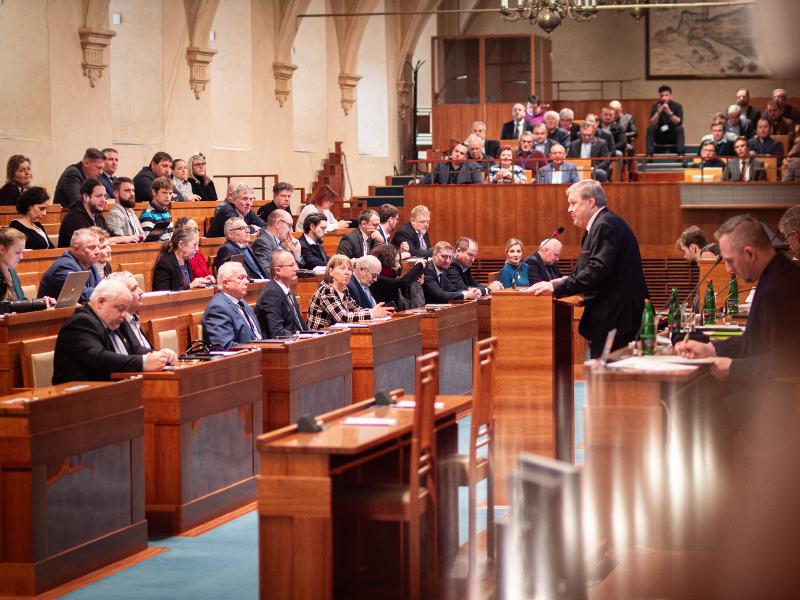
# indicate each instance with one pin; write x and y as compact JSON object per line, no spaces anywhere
{"x":451,"y":330}
{"x":484,"y":317}
{"x":298,"y":473}
{"x":201,"y":422}
{"x":72,"y":480}
{"x":307,"y":376}
{"x":384,"y":354}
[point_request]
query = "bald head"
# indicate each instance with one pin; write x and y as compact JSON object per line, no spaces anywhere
{"x":550,"y":251}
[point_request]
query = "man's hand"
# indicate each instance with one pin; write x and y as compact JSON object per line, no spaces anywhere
{"x":695,"y":349}
{"x":404,"y":247}
{"x":381,"y":311}
{"x":155,"y":361}
{"x":495,"y":286}
{"x":721,"y":367}
{"x":49,"y":302}
{"x":472,"y":294}
{"x":170,"y":355}
{"x":376,"y":235}
{"x":542,"y":288}
{"x":343,"y":224}
{"x":292,"y":244}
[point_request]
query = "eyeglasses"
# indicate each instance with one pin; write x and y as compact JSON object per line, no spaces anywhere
{"x":287,"y":265}
{"x":197,"y":164}
{"x":243,"y":228}
{"x":373,"y":275}
{"x":289,"y":224}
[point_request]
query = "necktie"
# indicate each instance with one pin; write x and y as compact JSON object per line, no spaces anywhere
{"x":517,"y":131}
{"x":253,"y":327}
{"x":422,"y":244}
{"x":441,"y":280}
{"x":116,"y":342}
{"x":295,"y":316}
{"x":370,"y":297}
{"x":251,"y":262}
{"x":743,"y":170}
{"x":137,"y":331}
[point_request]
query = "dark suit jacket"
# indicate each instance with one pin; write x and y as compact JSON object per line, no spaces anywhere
{"x":266,"y":210}
{"x":386,"y":289}
{"x":224,"y":325}
{"x":559,"y":135}
{"x":352,"y":244}
{"x":53,"y":279}
{"x":75,"y":219}
{"x":228,"y":250}
{"x":463,"y":279}
{"x":69,"y":185}
{"x":507,"y":132}
{"x":599,"y":149}
{"x":168,"y":275}
{"x":313,"y":254}
{"x":357,"y":293}
{"x":131,"y":341}
{"x":491,"y":148}
{"x":228,"y":211}
{"x":607,"y":137}
{"x":766,"y":146}
{"x":732,"y":171}
{"x":406,"y":233}
{"x":84,"y":351}
{"x":538,"y":271}
{"x":436,"y":292}
{"x":275,"y":312}
{"x":468,"y":172}
{"x":108,"y":183}
{"x":609,"y":276}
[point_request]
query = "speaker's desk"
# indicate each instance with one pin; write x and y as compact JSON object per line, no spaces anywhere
{"x":201,"y":423}
{"x":310,"y":375}
{"x":72,"y":481}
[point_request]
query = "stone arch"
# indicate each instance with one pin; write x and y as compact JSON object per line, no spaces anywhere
{"x":199,"y":20}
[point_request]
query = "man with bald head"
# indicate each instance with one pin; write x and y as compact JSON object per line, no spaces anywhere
{"x":543,"y":264}
{"x":277,"y":308}
{"x":89,"y":346}
{"x":366,"y":271}
{"x":228,"y":319}
{"x":558,"y":171}
{"x":513,"y":129}
{"x":276,"y":235}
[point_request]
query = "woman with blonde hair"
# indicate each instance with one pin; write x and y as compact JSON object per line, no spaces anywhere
{"x":202,"y":184}
{"x":12,"y":299}
{"x":332,"y":302}
{"x":515,"y":271}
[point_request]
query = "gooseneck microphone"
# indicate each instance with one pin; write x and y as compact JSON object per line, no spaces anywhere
{"x":685,"y":303}
{"x":554,"y":235}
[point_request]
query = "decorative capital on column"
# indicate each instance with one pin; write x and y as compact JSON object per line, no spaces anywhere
{"x":404,"y":98}
{"x":198,"y":60}
{"x":93,"y":44}
{"x":348,"y":83}
{"x":283,"y":80}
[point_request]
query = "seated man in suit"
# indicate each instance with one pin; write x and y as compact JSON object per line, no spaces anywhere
{"x":388,"y":216}
{"x":528,"y":158}
{"x":460,"y":271}
{"x":412,"y":237}
{"x":237,"y":236}
{"x":84,"y":249}
{"x":738,"y":124}
{"x":457,"y":170}
{"x":588,"y":146}
{"x":281,"y":198}
{"x":131,"y":329}
{"x":513,"y":129}
{"x":276,"y":235}
{"x":89,"y":347}
{"x":314,"y":228}
{"x":160,"y":166}
{"x":602,"y":134}
{"x":277,"y":308}
{"x":566,"y":118}
{"x":762,"y":144}
{"x":242,"y":207}
{"x":789,"y":227}
{"x":542,"y":143}
{"x":491,"y":148}
{"x":558,"y":171}
{"x":722,"y":146}
{"x":743,"y":167}
{"x":364,"y":238}
{"x":437,"y":286}
{"x":228,"y":319}
{"x":476,"y":152}
{"x":554,"y":132}
{"x":366,"y":272}
{"x":543,"y":264}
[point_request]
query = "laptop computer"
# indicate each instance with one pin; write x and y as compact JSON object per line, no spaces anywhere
{"x":73,"y":287}
{"x":239,"y":258}
{"x":158,"y":230}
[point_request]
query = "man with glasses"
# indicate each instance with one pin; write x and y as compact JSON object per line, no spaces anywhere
{"x":241,"y":206}
{"x":237,"y":236}
{"x":276,"y":236}
{"x":412,"y":238}
{"x":365,"y":274}
{"x":528,"y":158}
{"x":362,"y":240}
{"x":437,"y":287}
{"x":277,"y":308}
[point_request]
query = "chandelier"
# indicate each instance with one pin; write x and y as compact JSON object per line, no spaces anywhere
{"x":548,"y":14}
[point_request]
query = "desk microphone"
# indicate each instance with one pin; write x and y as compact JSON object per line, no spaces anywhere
{"x":555,"y":234}
{"x":685,"y":303}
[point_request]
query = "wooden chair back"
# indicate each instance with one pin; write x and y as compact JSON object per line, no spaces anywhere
{"x":584,"y":167}
{"x":492,"y":276}
{"x":37,"y":361}
{"x":29,"y":290}
{"x":784,"y":140}
{"x":169,"y":332}
{"x":771,"y":165}
{"x":141,"y":271}
{"x":482,"y":386}
{"x":195,"y":326}
{"x":422,"y":462}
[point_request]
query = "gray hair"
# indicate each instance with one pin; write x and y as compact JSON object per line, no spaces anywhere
{"x":364,"y":262}
{"x":226,"y":271}
{"x":567,"y":113}
{"x":734,"y":109}
{"x":790,"y":221}
{"x":232,"y":223}
{"x":122,"y":277}
{"x":549,"y":242}
{"x":554,"y":146}
{"x":109,"y":289}
{"x":589,"y":188}
{"x":551,"y":113}
{"x":80,"y":235}
{"x":240,"y":188}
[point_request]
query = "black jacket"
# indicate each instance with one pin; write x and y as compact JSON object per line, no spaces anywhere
{"x":77,"y":218}
{"x":388,"y":289}
{"x":275,"y":313}
{"x":228,"y":211}
{"x":538,"y":271}
{"x":168,"y":275}
{"x":436,"y":291}
{"x":228,"y":250}
{"x":406,"y":233}
{"x":352,"y":246}
{"x":313,"y":254}
{"x":463,"y":279}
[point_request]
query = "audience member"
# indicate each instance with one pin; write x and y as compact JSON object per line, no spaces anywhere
{"x":81,"y":256}
{"x":237,"y":242}
{"x":277,"y":309}
{"x":103,"y":264}
{"x":789,"y":228}
{"x":761,"y":144}
{"x":281,"y":198}
{"x":332,"y":303}
{"x":747,"y":111}
{"x":513,"y":129}
{"x":413,"y":236}
{"x":558,"y":171}
{"x":608,"y":130}
{"x":181,"y":183}
{"x":157,"y":210}
{"x":198,"y":261}
{"x":365,"y":272}
{"x":109,"y":170}
{"x":172,"y":271}
{"x":490,"y":147}
{"x":131,"y":328}
{"x":276,"y":235}
{"x":528,"y":158}
{"x":457,"y":170}
{"x":437,"y":286}
{"x":778,"y":125}
{"x":554,"y":132}
{"x":719,"y":119}
{"x":460,"y":271}
{"x":707,"y":157}
{"x":626,"y":125}
{"x":160,"y":166}
{"x":363,"y":238}
{"x":784,"y":109}
{"x":694,"y":245}
{"x":388,"y":215}
{"x":534,"y":111}
{"x":791,"y":171}
{"x":722,"y":147}
{"x":321,"y":202}
{"x":475,"y":149}
{"x":742,"y":167}
{"x":588,"y":146}
{"x":89,"y":346}
{"x":68,"y":188}
{"x":88,"y":213}
{"x":228,"y":319}
{"x":202,"y":184}
{"x":666,"y":123}
{"x":241,"y":207}
{"x":31,"y":207}
{"x":18,"y":179}
{"x":543,"y":264}
{"x":514,"y":273}
{"x":738,"y":124}
{"x":12,"y":298}
{"x":311,"y":249}
{"x":505,"y":171}
{"x":566,"y":121}
{"x":122,"y":220}
{"x":403,"y":292}
{"x":541,"y":143}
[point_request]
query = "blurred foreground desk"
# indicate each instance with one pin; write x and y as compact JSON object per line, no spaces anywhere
{"x":304,"y":376}
{"x":72,"y":482}
{"x":201,"y":422}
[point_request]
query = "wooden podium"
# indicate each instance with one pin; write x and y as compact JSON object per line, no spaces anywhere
{"x":305,"y":376}
{"x":201,"y":423}
{"x":451,"y":330}
{"x":533,"y":395}
{"x":72,"y":482}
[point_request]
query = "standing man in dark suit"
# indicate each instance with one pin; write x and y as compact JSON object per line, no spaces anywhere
{"x":412,"y":238}
{"x":457,"y":170}
{"x":543,"y":264}
{"x":89,"y":347}
{"x":237,"y":236}
{"x":608,"y":273}
{"x":460,"y":271}
{"x":241,"y":206}
{"x":365,"y":273}
{"x":437,"y":286}
{"x":364,"y":238}
{"x":314,"y":228}
{"x":513,"y":129}
{"x":278,"y":312}
{"x":228,"y":319}
{"x":588,"y":146}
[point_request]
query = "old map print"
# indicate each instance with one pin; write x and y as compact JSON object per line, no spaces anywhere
{"x":702,"y":42}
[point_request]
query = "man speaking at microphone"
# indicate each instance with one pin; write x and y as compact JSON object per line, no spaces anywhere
{"x":608,"y":273}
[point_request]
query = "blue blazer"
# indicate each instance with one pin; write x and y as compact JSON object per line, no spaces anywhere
{"x":508,"y":274}
{"x":224,"y":325}
{"x":357,"y":292}
{"x":228,"y":250}
{"x":570,"y":173}
{"x":53,"y":279}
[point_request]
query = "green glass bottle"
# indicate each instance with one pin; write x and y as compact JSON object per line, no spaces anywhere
{"x":648,"y":329}
{"x":674,"y":315}
{"x":710,"y":305}
{"x":732,"y":303}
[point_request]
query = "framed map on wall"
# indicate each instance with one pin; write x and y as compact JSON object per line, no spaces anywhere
{"x":702,"y":43}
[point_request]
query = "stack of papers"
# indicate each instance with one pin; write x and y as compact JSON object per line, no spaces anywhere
{"x":369,"y":421}
{"x":651,"y":364}
{"x":413,"y":404}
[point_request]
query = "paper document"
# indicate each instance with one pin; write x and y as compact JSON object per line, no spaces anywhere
{"x":368,"y":421}
{"x":413,"y":404}
{"x":681,"y":360}
{"x":348,"y":325}
{"x":649,"y":363}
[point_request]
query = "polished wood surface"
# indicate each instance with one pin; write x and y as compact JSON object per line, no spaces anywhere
{"x":304,"y":377}
{"x":72,"y":480}
{"x":533,"y":395}
{"x":720,"y":278}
